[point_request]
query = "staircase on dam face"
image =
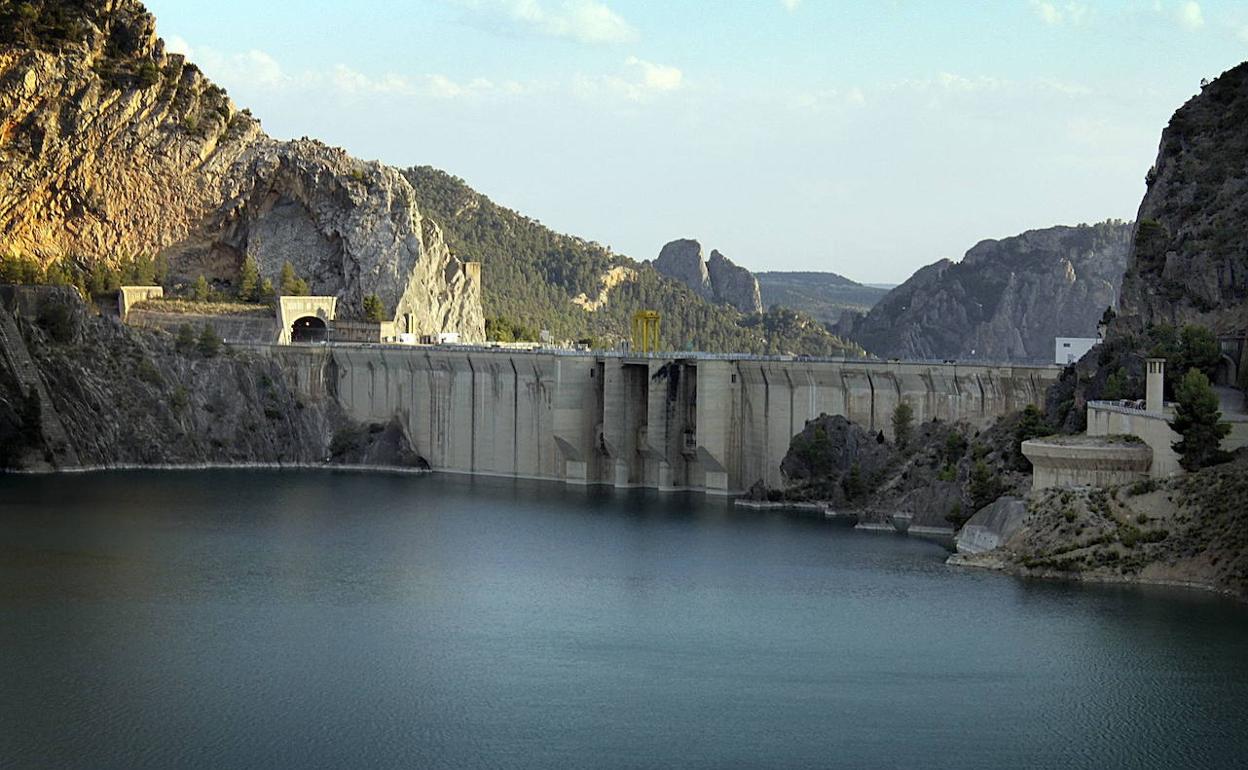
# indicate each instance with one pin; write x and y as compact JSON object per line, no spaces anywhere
{"x":27,"y":374}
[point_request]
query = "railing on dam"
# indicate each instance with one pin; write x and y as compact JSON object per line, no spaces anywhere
{"x":670,"y":355}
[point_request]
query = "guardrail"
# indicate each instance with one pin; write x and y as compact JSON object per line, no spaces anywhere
{"x":672,"y":355}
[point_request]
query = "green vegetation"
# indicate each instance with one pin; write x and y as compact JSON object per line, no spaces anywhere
{"x":1030,"y":425}
{"x":825,"y":296}
{"x":1118,"y":386}
{"x":903,"y":422}
{"x":984,"y":486}
{"x":184,"y":341}
{"x":374,"y":310}
{"x":506,"y":330}
{"x":530,"y":275}
{"x":853,"y":484}
{"x":291,"y":285}
{"x":249,"y":280}
{"x":200,"y":290}
{"x":209,"y":343}
{"x":90,"y":277}
{"x":1198,"y":421}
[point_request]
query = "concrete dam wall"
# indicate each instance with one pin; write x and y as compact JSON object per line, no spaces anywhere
{"x":712,"y":423}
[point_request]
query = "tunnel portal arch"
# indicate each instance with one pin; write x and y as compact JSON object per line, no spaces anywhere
{"x":309,"y":328}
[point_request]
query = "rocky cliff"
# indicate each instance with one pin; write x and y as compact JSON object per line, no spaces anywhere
{"x":111,"y":146}
{"x":1005,"y":301}
{"x":82,"y":390}
{"x":718,"y":279}
{"x":1189,"y":261}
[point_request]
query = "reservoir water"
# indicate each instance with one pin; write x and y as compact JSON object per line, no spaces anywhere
{"x":314,"y":619}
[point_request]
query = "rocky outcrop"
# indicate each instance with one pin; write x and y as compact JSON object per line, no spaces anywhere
{"x":682,"y":259}
{"x":107,"y":394}
{"x":733,"y":284}
{"x":1190,"y":530}
{"x":1189,"y":260}
{"x":719,"y":279}
{"x":110,"y":146}
{"x":1005,"y":301}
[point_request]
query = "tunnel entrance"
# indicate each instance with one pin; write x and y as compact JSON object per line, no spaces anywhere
{"x":308,"y":329}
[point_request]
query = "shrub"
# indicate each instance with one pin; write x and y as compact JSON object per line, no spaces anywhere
{"x":209,"y":344}
{"x":903,"y":420}
{"x":955,"y":447}
{"x":852,"y":484}
{"x":984,"y":486}
{"x":185,"y":341}
{"x":148,"y":373}
{"x":1142,"y":487}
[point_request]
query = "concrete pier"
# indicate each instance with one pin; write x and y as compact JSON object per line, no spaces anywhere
{"x":716,"y":423}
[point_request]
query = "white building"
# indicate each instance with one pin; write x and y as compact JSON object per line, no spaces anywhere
{"x":1068,"y":350}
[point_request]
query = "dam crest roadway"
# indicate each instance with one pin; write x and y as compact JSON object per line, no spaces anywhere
{"x":670,"y":421}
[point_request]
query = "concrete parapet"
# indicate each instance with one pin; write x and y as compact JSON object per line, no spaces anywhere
{"x":1086,"y":461}
{"x":129,"y":296}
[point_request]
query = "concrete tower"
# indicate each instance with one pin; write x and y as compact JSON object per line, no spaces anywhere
{"x":1155,"y":389}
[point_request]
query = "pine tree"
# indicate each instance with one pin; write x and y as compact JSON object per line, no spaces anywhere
{"x":984,"y":487}
{"x":290,"y":284}
{"x":200,"y":291}
{"x":903,"y":419}
{"x":1198,"y":421}
{"x":209,"y":343}
{"x":249,"y":280}
{"x":185,"y":341}
{"x":374,"y":310}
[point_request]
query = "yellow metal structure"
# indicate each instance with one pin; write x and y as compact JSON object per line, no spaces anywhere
{"x":645,"y":331}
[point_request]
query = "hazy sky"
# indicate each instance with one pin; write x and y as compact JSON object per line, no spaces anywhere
{"x":867,"y":138}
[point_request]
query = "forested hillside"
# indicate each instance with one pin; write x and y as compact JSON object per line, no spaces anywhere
{"x":534,"y":278}
{"x":824,"y":295}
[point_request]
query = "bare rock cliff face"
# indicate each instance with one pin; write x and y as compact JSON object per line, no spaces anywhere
{"x":1189,"y":260}
{"x":682,"y":259}
{"x":734,"y":284}
{"x":718,"y":280}
{"x":110,"y":146}
{"x":1005,"y":301}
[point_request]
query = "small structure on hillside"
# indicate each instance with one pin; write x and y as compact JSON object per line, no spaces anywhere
{"x":129,"y":296}
{"x":305,"y":319}
{"x":1124,"y":441}
{"x":1067,"y":350}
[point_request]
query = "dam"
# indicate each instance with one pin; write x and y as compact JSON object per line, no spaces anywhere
{"x":668,"y":421}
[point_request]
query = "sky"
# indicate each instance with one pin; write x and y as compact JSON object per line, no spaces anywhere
{"x":864,"y":138}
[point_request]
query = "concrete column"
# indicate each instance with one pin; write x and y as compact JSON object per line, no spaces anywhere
{"x":1155,"y":391}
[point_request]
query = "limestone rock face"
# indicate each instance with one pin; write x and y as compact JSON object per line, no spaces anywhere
{"x":1005,"y":301}
{"x":157,"y":160}
{"x":734,"y":284}
{"x":682,"y":259}
{"x":1189,"y":259}
{"x":719,"y":279}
